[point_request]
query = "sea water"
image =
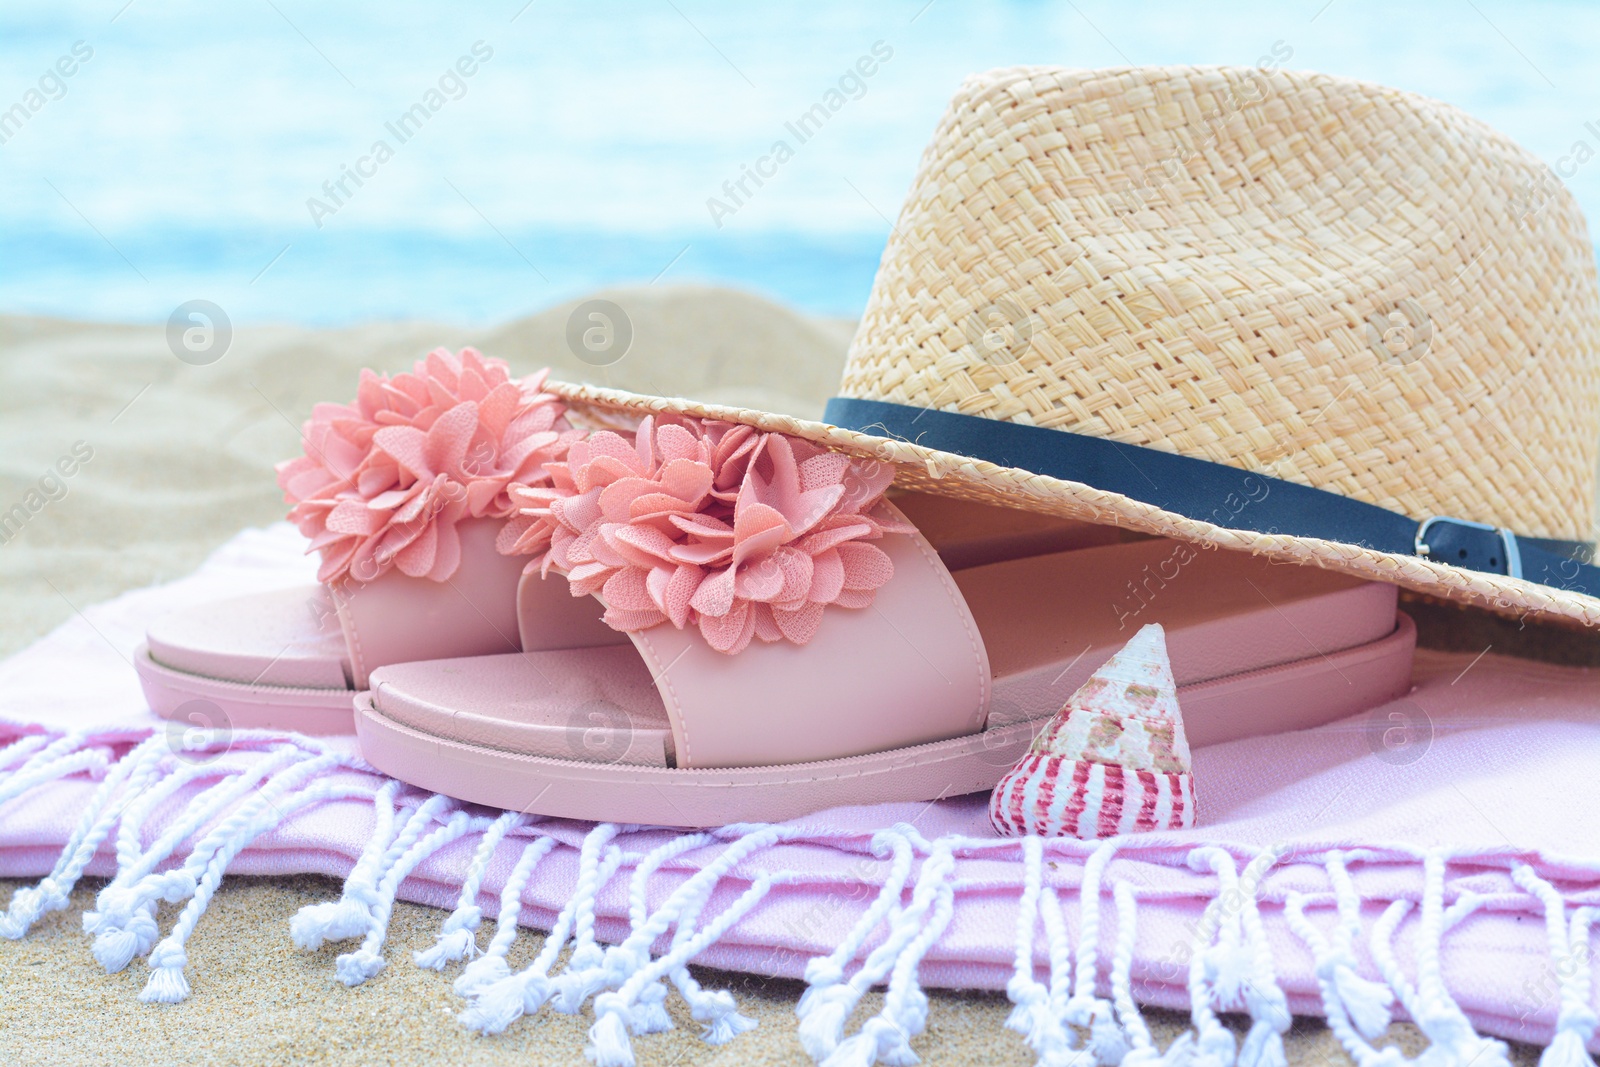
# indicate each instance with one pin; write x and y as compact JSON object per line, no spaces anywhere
{"x":333,"y":163}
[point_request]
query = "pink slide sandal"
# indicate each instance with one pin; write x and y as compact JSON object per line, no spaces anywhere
{"x":294,"y":659}
{"x":406,"y":493}
{"x":914,"y":682}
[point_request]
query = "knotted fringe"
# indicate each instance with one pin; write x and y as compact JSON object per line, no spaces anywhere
{"x":1057,"y":1041}
{"x":1031,"y":1014}
{"x":829,"y":999}
{"x":1240,"y":964}
{"x":609,"y":1045}
{"x":491,"y":966}
{"x":715,"y":1010}
{"x":1441,"y":1020}
{"x":1050,"y":1017}
{"x":1357,"y":1009}
{"x":128,"y":778}
{"x":1569,"y":953}
{"x":635,"y":1004}
{"x":355,"y":914}
{"x":1086,"y":1009}
{"x":125,"y":927}
{"x":245,"y":790}
{"x":634,"y":1001}
{"x":1142,"y":1050}
{"x":167,"y":984}
{"x":584,"y":975}
{"x":242,"y":793}
{"x":1368,"y":1003}
{"x":886,"y":1037}
{"x":350,"y":915}
{"x":497,"y":997}
{"x":123,"y":921}
{"x":457,"y":936}
{"x":1212,"y":1043}
{"x":367,"y":961}
{"x":650,"y":1014}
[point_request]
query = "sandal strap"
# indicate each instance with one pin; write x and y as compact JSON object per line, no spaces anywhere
{"x":396,"y":619}
{"x":914,"y":656}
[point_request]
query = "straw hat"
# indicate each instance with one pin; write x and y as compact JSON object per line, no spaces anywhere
{"x":1287,"y":314}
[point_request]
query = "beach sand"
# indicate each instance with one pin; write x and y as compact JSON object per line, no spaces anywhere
{"x":259,"y":1001}
{"x":180,"y":458}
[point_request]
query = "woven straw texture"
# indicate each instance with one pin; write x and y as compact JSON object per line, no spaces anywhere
{"x":1334,"y":283}
{"x":1325,"y":281}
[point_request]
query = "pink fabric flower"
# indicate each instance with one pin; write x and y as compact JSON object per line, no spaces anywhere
{"x":740,"y":533}
{"x":385,"y":479}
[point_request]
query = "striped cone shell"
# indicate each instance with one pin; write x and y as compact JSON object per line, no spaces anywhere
{"x":1114,"y":760}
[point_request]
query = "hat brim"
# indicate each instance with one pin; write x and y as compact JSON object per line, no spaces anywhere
{"x":948,"y":474}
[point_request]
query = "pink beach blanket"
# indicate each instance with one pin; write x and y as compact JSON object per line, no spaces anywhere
{"x":1433,"y":859}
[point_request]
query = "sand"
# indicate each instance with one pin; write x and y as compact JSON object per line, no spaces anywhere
{"x":258,"y":1000}
{"x":179,"y":458}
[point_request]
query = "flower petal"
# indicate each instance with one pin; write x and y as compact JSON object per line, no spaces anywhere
{"x":766,"y":629}
{"x":715,"y":595}
{"x":744,"y":534}
{"x":799,"y":626}
{"x":412,"y":456}
{"x":416,"y":558}
{"x":730,"y":633}
{"x":827,"y":577}
{"x":865,"y":566}
{"x":625,"y":590}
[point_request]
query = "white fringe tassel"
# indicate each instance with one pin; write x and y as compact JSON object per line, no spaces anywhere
{"x":495,"y":1006}
{"x":457,"y":936}
{"x":245,"y":793}
{"x":1086,"y":1009}
{"x":367,"y":961}
{"x":609,"y":1044}
{"x":1213,"y":1044}
{"x":491,"y":966}
{"x":829,"y":999}
{"x":1441,"y":1020}
{"x":1569,"y":956}
{"x":1333,"y":959}
{"x":1269,"y":1010}
{"x":1367,"y":1003}
{"x":585,"y":974}
{"x":167,"y":984}
{"x":886,"y":1037}
{"x":124,"y":922}
{"x":349,"y":916}
{"x":1142,"y":1050}
{"x":497,"y":1002}
{"x":132,"y":774}
{"x":1030,"y":996}
{"x":716,"y":1011}
{"x":649,"y":1013}
{"x":1446,"y":1025}
{"x":1056,"y":1042}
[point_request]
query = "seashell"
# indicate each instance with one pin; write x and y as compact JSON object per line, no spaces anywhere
{"x":1113,"y":760}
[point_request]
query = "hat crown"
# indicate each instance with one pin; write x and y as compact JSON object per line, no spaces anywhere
{"x":1330,"y":282}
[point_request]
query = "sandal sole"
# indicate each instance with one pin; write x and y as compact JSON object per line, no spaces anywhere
{"x":217,"y":704}
{"x":1342,"y":683}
